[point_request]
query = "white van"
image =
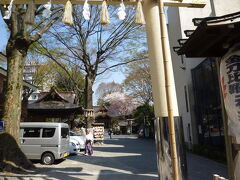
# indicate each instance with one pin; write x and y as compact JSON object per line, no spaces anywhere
{"x":44,"y":140}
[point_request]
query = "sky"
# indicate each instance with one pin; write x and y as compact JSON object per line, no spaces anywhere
{"x":118,"y":76}
{"x":3,"y":34}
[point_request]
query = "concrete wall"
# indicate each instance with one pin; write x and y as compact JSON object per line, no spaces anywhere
{"x":180,"y":19}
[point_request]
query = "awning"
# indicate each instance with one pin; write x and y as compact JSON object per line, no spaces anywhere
{"x":212,"y":37}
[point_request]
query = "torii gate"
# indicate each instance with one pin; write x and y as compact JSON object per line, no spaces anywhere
{"x":161,"y":66}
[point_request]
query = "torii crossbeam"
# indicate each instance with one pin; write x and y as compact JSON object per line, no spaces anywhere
{"x":184,"y":3}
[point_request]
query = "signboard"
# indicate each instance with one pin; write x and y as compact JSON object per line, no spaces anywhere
{"x":98,"y":132}
{"x":1,"y":125}
{"x":230,"y":84}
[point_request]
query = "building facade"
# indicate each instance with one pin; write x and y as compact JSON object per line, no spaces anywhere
{"x":196,"y":79}
{"x":29,"y":73}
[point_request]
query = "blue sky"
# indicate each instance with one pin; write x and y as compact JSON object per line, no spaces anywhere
{"x":3,"y":34}
{"x":107,"y":77}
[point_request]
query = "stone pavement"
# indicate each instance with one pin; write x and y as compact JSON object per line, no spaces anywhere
{"x":120,"y":158}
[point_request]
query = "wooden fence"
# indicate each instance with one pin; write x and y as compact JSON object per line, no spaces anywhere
{"x":217,"y":177}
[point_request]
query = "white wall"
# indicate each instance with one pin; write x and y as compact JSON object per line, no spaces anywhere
{"x":174,"y":30}
{"x":179,"y":20}
{"x":223,"y":7}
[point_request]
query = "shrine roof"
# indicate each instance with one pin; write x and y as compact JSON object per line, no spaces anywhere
{"x":53,"y":100}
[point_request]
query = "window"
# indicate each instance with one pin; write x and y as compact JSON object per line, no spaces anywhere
{"x":186,"y":97}
{"x":31,"y":132}
{"x":64,"y":132}
{"x":208,"y":103}
{"x":182,"y":60}
{"x":48,"y":132}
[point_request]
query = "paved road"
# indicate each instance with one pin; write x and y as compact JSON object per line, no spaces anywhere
{"x":120,"y":158}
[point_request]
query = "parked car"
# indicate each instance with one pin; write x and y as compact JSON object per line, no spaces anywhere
{"x":74,"y":146}
{"x":44,"y":141}
{"x":81,"y":139}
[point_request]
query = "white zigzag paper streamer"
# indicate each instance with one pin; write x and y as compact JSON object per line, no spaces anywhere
{"x":47,"y":11}
{"x":121,"y":11}
{"x":9,"y":11}
{"x":86,"y":12}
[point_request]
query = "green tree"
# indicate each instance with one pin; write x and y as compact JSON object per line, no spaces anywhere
{"x":144,"y":115}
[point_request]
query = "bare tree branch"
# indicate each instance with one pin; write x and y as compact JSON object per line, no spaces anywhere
{"x":36,"y":26}
{"x":119,"y":64}
{"x":45,"y":28}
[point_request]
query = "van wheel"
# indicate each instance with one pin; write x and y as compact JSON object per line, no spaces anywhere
{"x":48,"y":158}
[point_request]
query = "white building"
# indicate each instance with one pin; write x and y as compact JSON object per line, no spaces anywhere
{"x":179,"y":20}
{"x":30,"y":69}
{"x":29,"y":73}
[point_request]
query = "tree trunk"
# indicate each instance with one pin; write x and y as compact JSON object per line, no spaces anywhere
{"x":88,"y":99}
{"x":12,"y":105}
{"x":11,"y":156}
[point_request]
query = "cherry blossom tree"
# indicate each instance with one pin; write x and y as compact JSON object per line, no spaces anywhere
{"x":119,"y":104}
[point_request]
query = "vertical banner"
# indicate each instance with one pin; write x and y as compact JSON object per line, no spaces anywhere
{"x":230,"y":84}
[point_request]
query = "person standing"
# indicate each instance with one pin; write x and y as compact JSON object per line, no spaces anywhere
{"x":110,"y":133}
{"x":89,"y":143}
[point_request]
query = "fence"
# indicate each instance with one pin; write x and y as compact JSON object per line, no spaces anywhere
{"x":217,"y":177}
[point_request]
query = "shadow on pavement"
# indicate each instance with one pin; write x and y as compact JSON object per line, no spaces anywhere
{"x":104,"y":175}
{"x":57,"y":173}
